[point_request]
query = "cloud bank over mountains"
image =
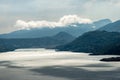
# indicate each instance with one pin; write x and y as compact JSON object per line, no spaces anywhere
{"x":52,"y":10}
{"x":62,"y":22}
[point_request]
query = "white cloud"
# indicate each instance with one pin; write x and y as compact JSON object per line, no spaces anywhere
{"x":68,"y":19}
{"x":65,"y":20}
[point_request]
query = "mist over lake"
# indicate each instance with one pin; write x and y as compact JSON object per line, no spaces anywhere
{"x":46,"y":64}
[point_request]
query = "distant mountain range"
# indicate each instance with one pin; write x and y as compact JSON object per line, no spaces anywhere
{"x":44,"y":42}
{"x":93,"y":38}
{"x":105,"y":40}
{"x":102,"y":23}
{"x":112,"y":27}
{"x":76,"y":29}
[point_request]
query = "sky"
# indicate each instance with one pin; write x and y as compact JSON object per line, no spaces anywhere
{"x":52,"y":11}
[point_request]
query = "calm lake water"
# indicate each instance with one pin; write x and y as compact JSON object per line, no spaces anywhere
{"x":45,"y":64}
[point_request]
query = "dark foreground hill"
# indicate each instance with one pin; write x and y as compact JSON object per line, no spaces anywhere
{"x":95,"y":42}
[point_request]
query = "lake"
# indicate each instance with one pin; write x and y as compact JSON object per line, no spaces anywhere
{"x":47,"y":64}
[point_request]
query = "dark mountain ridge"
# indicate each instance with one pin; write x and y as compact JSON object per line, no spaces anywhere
{"x":45,"y":42}
{"x":95,"y":42}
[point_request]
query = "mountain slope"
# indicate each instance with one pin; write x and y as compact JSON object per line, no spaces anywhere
{"x":96,"y":42}
{"x":76,"y":29}
{"x":4,"y":47}
{"x":42,"y":32}
{"x":112,"y":27}
{"x":102,"y":23}
{"x":44,"y":42}
{"x":64,"y":36}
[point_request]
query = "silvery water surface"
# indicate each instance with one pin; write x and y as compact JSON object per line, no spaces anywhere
{"x":45,"y":64}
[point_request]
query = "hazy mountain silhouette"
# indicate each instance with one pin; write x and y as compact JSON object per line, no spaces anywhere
{"x":112,"y":27}
{"x":102,"y":23}
{"x":75,"y":29}
{"x":44,"y":42}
